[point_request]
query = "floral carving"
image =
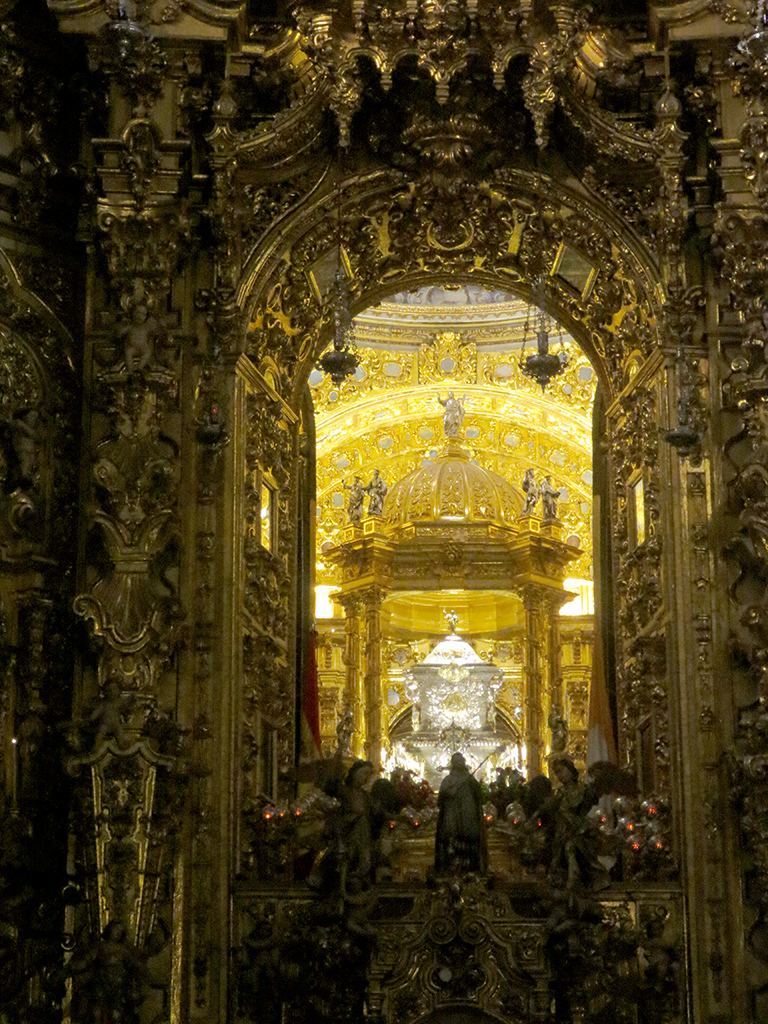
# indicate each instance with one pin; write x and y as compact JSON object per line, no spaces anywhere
{"x":749,"y":66}
{"x":741,"y":243}
{"x":749,"y":779}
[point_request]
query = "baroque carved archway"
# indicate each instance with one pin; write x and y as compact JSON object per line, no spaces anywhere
{"x":520,"y":231}
{"x":553,"y":245}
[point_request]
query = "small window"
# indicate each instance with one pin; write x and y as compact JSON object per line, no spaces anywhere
{"x":267,"y":516}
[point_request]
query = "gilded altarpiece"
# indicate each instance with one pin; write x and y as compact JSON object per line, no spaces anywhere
{"x":223,"y":148}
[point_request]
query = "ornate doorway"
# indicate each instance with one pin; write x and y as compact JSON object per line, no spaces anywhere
{"x":525,"y":235}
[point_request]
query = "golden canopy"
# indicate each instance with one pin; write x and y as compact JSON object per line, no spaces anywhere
{"x":454,"y":489}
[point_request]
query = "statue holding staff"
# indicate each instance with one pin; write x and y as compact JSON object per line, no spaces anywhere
{"x":549,"y":496}
{"x":459,"y":839}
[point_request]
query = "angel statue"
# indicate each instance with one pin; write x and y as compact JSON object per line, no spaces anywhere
{"x":532,"y":492}
{"x":344,"y":873}
{"x":453,"y":416}
{"x":561,"y":833}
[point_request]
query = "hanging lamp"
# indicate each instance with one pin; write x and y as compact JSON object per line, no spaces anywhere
{"x":543,"y":365}
{"x":340,"y":360}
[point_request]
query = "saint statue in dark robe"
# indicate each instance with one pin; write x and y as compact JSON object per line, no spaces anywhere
{"x":459,"y":841}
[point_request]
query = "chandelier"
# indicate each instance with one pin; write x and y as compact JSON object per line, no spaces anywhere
{"x":544,"y":364}
{"x":341,"y":359}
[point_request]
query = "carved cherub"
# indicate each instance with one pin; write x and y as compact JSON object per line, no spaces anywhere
{"x":139,"y":335}
{"x":111,"y":978}
{"x":25,"y":442}
{"x":19,"y":447}
{"x":107,"y":716}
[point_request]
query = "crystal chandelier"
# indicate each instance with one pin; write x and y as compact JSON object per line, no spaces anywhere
{"x":340,"y":360}
{"x":543,"y":365}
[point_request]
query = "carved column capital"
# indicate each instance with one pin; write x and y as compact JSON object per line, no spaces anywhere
{"x":352,"y":604}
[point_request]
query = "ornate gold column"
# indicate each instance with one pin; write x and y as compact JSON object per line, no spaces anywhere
{"x":536,"y":640}
{"x":364,"y":556}
{"x":353,"y":693}
{"x":373,"y":599}
{"x":553,"y":603}
{"x":576,"y":639}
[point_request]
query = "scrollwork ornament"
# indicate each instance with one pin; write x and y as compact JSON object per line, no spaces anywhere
{"x":749,"y":67}
{"x":745,"y":394}
{"x":754,"y":153}
{"x":126,"y":51}
{"x":748,"y":765}
{"x":145,"y":246}
{"x":540,"y":85}
{"x":730,"y":13}
{"x":672,"y":207}
{"x":749,"y":64}
{"x":423,"y":227}
{"x":682,"y":316}
{"x":740,"y":243}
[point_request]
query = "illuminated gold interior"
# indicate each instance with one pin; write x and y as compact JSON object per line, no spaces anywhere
{"x":388,"y":418}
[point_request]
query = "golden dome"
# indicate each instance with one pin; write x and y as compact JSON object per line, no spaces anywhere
{"x":452,"y":489}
